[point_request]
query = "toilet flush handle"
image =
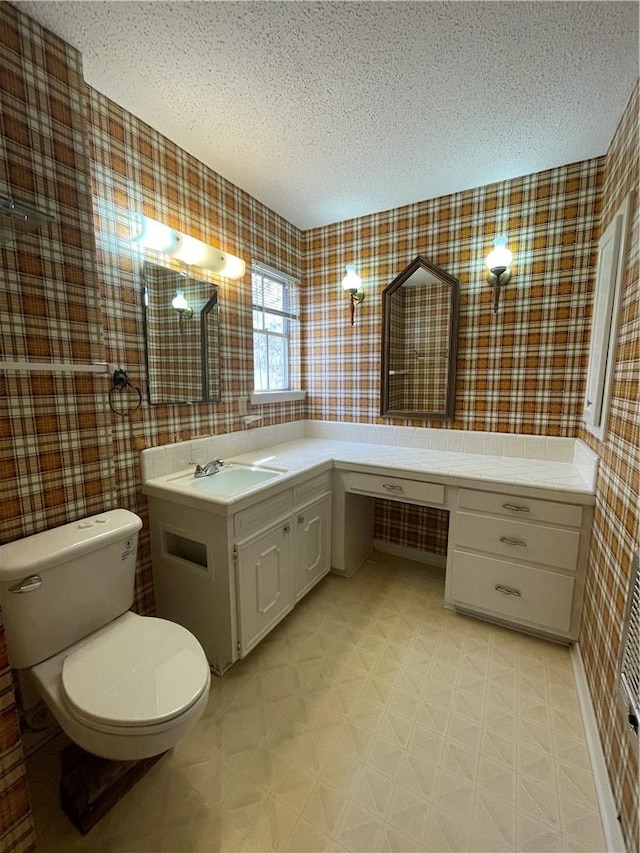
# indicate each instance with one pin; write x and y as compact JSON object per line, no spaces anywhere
{"x":27,"y":585}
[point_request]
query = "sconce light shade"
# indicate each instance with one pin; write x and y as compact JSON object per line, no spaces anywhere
{"x":179,"y":302}
{"x":352,"y":284}
{"x":352,"y":280}
{"x":161,"y":238}
{"x":181,"y":305}
{"x":500,"y":256}
{"x":498,"y":262}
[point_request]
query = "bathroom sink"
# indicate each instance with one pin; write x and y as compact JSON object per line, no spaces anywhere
{"x":228,"y":482}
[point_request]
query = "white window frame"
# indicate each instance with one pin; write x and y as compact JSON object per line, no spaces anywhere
{"x":607,"y":299}
{"x":276,"y":395}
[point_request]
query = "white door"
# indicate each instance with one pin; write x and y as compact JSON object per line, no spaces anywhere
{"x":312,"y":545}
{"x":264,"y":583}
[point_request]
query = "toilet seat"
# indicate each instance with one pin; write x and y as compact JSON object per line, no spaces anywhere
{"x":136,"y":674}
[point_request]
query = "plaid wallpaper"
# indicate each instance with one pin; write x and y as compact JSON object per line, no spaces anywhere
{"x":616,"y":525}
{"x":422,"y":527}
{"x":55,"y":449}
{"x":519,"y":370}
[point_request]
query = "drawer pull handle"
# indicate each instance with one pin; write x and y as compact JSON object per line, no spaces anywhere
{"x":508,"y":590}
{"x":516,"y":507}
{"x":391,"y":488}
{"x":509,"y":541}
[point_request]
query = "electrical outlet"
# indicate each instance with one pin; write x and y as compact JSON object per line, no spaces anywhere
{"x":242,"y":406}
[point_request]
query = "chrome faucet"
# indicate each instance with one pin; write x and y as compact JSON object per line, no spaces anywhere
{"x":210,"y":468}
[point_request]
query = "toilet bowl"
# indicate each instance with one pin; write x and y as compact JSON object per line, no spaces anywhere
{"x":130,"y":690}
{"x":122,"y":686}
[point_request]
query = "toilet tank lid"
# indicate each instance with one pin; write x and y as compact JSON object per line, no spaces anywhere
{"x":61,"y":544}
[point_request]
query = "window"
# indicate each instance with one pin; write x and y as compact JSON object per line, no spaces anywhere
{"x":275,"y":329}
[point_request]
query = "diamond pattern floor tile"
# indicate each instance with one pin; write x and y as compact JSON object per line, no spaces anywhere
{"x":371,"y":719}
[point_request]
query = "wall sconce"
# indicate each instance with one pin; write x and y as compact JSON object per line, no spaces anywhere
{"x":498,"y":262}
{"x":179,"y":302}
{"x":352,"y":284}
{"x":154,"y":235}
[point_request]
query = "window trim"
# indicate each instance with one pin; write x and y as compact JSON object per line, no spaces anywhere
{"x":259,"y":397}
{"x":607,"y":300}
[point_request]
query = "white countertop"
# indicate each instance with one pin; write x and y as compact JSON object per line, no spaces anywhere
{"x":298,"y":456}
{"x":547,"y":479}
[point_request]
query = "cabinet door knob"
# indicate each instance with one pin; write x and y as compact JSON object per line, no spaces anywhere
{"x":508,"y":590}
{"x":508,"y":540}
{"x":301,"y":519}
{"x":287,"y":528}
{"x":516,"y":507}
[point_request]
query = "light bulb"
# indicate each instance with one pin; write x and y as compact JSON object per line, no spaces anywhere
{"x":233,"y":267}
{"x":191,"y":251}
{"x":154,"y":235}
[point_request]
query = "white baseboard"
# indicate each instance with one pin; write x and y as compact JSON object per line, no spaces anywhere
{"x":416,"y":554}
{"x":608,"y":811}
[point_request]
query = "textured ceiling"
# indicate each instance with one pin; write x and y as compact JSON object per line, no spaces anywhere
{"x":324,"y":111}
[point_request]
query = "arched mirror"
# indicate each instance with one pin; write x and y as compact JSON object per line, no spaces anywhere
{"x":419,"y":343}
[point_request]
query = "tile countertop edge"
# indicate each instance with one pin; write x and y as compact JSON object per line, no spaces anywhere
{"x":304,"y":455}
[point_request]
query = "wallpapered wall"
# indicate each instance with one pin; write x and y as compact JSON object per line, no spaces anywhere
{"x":616,"y":524}
{"x":135,"y":169}
{"x":520,"y":370}
{"x":54,"y":453}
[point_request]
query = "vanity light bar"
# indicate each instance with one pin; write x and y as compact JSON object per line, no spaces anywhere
{"x":154,"y":235}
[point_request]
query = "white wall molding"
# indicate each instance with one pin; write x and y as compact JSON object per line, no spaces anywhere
{"x":608,"y":811}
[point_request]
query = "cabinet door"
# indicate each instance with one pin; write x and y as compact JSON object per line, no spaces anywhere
{"x":312,"y":544}
{"x":264,"y":583}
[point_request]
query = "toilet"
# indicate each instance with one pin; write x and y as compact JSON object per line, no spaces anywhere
{"x":122,"y":686}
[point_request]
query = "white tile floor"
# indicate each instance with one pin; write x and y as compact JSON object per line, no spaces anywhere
{"x":371,"y":719}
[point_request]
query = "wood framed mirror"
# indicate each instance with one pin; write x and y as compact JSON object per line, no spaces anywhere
{"x":419,"y":343}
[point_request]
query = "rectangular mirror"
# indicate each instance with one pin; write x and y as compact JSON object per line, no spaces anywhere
{"x":420,"y":335}
{"x":182,"y":337}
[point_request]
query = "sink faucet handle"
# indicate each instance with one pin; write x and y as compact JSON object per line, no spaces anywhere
{"x":210,"y":468}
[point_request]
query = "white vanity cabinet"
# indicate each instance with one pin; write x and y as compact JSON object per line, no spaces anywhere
{"x":520,"y":560}
{"x":264,"y":580}
{"x":312,"y":545}
{"x":280,"y":563}
{"x":230,"y":577}
{"x":229,"y":571}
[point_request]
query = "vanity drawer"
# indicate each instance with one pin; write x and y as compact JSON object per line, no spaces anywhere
{"x":312,"y":488}
{"x":394,"y":488}
{"x":249,"y":520}
{"x":518,"y":593}
{"x":524,"y":509}
{"x":517,"y":540}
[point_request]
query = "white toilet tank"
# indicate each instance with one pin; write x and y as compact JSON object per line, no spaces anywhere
{"x":76,"y":578}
